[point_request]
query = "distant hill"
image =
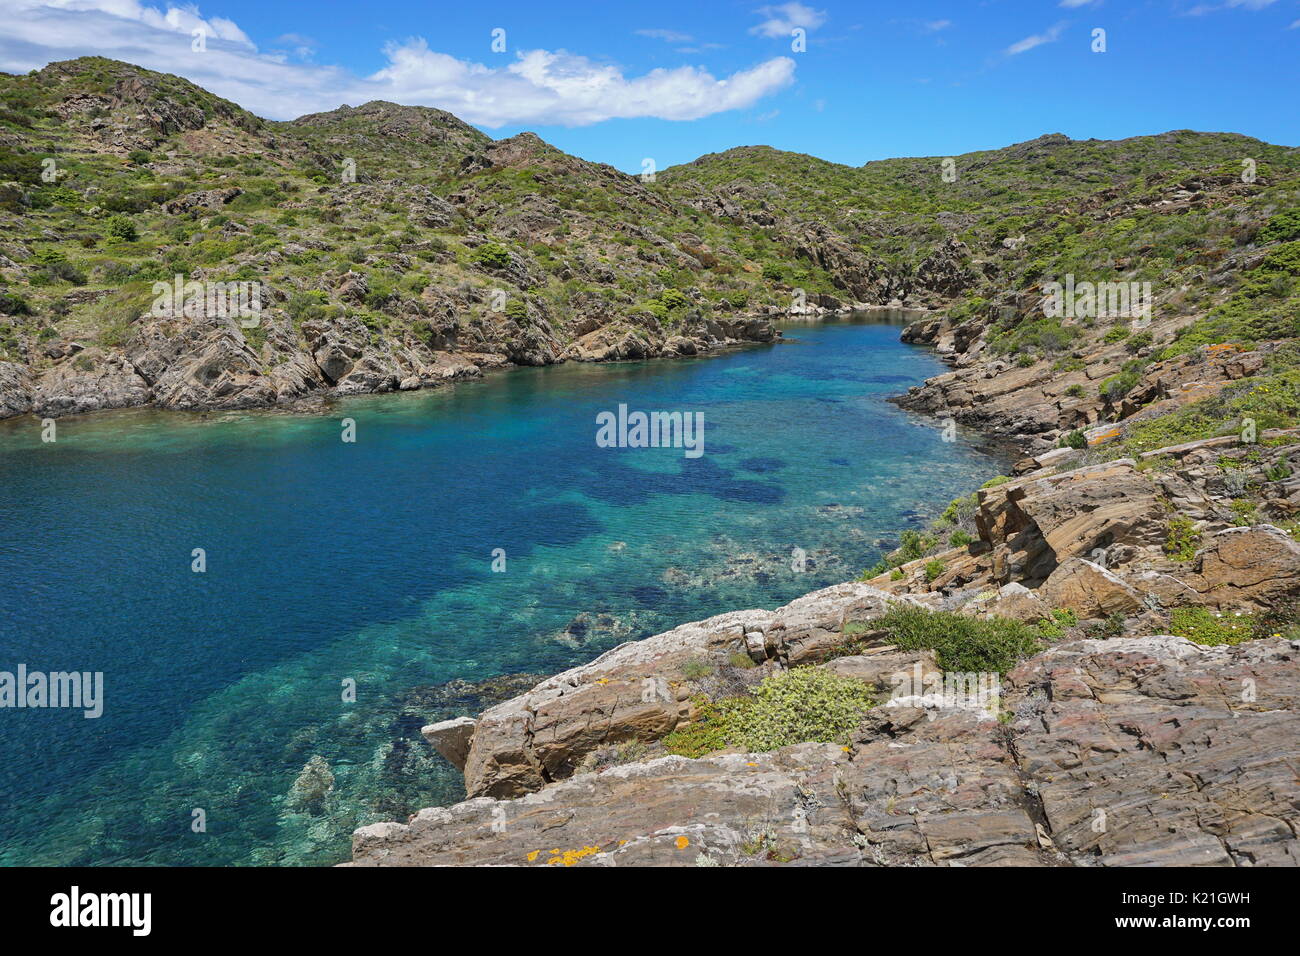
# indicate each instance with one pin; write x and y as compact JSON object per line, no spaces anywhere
{"x":398,"y":246}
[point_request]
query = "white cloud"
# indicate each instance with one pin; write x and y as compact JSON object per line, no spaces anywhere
{"x":668,"y":36}
{"x":934,"y":26}
{"x":535,"y":87}
{"x":1038,"y":39}
{"x":1071,"y":4}
{"x":1205,"y":8}
{"x":784,"y":17}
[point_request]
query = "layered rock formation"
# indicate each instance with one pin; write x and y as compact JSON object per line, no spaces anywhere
{"x":1128,"y":752}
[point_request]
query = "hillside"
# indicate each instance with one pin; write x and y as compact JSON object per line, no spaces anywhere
{"x":450,"y":252}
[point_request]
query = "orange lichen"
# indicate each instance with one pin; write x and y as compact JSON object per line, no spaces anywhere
{"x":570,"y":857}
{"x":682,"y":843}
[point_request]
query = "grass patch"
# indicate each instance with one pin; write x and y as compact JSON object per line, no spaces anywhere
{"x":1204,"y":626}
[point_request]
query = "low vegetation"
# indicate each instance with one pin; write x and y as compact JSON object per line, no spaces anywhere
{"x":796,"y":706}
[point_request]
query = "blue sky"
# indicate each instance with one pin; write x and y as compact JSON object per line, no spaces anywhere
{"x":618,"y":82}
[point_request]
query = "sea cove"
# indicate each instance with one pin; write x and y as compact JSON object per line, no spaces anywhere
{"x":227,"y":734}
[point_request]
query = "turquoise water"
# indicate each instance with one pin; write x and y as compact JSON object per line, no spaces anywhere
{"x":371,"y":562}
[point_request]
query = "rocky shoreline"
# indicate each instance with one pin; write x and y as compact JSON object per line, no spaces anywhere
{"x":182,"y":364}
{"x":1115,"y":744}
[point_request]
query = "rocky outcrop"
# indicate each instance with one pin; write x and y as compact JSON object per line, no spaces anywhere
{"x":1247,"y":568}
{"x":195,"y":363}
{"x":619,"y":341}
{"x":92,"y":381}
{"x":1129,"y":752}
{"x":15,"y":389}
{"x":637,"y":691}
{"x":204,"y":199}
{"x":1089,"y":590}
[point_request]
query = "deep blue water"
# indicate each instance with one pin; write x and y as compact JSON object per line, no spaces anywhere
{"x":371,"y":561}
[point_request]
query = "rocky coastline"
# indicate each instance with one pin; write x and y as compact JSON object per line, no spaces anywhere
{"x":1114,"y":743}
{"x":175,"y":363}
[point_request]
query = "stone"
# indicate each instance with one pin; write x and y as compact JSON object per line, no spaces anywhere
{"x":1247,"y":568}
{"x":1089,"y":590}
{"x":1015,"y":601}
{"x":451,"y":738}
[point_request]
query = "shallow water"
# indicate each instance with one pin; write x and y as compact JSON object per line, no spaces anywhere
{"x":371,"y":562}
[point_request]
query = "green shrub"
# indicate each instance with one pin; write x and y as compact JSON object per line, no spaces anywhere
{"x":1282,"y":227}
{"x":933,"y":569}
{"x":1243,"y":513}
{"x":1112,"y":626}
{"x":1075,"y":391}
{"x":11,"y":303}
{"x":1138,"y":342}
{"x":804,"y":704}
{"x":121,"y":227}
{"x":1117,"y":386}
{"x":673,"y":298}
{"x":807,"y":704}
{"x":493,"y":255}
{"x":696,"y":668}
{"x":1075,"y":439}
{"x":1053,"y":628}
{"x":1181,"y":539}
{"x":960,"y":642}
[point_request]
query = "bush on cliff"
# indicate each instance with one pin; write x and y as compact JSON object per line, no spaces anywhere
{"x":960,"y":643}
{"x":798,"y":706}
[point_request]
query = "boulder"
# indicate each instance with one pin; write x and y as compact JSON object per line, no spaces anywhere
{"x":1014,"y":601}
{"x":451,"y":738}
{"x":1247,"y":568}
{"x":1089,"y":590}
